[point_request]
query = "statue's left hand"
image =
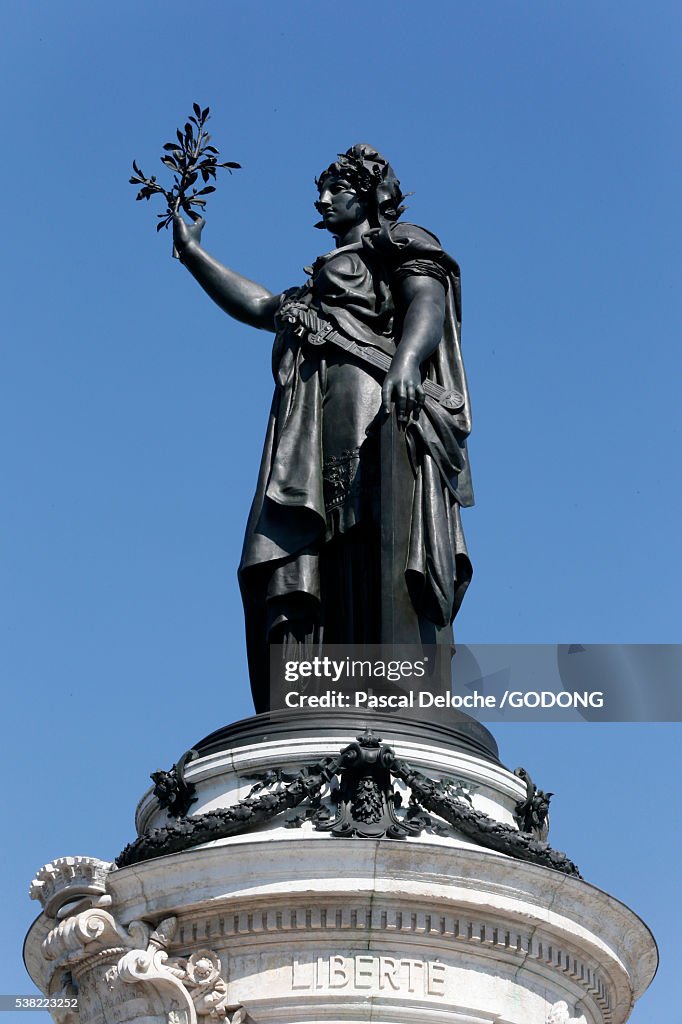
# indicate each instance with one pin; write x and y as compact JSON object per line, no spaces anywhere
{"x":403,"y":385}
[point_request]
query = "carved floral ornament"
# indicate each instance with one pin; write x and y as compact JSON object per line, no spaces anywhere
{"x":86,"y":936}
{"x":558,"y":1014}
{"x":188,"y":989}
{"x":194,"y":986}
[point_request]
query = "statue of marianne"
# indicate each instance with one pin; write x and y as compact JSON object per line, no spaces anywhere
{"x":311,"y":568}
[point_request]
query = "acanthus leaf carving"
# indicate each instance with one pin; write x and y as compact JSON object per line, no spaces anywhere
{"x":192,"y":988}
{"x":150,"y":965}
{"x":89,"y":932}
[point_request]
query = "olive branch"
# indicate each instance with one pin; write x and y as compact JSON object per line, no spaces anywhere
{"x":188,"y":158}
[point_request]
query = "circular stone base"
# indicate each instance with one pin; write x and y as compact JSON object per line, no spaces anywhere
{"x":287,"y":919}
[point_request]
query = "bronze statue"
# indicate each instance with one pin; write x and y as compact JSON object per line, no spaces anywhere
{"x":354,"y":534}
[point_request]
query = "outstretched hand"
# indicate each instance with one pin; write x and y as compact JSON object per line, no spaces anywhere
{"x":185,"y":235}
{"x":403,"y":385}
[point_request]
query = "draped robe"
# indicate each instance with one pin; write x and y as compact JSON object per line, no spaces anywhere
{"x":309,"y":571}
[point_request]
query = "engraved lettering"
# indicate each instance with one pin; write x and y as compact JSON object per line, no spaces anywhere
{"x":338,"y":973}
{"x":302,"y":974}
{"x":387,"y":971}
{"x":411,"y":972}
{"x":364,"y":971}
{"x":435,"y":974}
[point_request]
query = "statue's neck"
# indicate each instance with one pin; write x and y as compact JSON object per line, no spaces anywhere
{"x":353,"y":234}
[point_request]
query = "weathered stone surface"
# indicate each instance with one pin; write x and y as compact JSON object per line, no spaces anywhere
{"x":288,"y":924}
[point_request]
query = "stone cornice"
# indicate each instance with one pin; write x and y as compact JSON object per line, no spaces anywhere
{"x":475,"y":888}
{"x":524,"y":943}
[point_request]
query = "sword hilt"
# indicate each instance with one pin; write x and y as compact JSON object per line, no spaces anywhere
{"x":308,"y":323}
{"x":451,"y":400}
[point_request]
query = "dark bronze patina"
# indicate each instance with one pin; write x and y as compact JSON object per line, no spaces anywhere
{"x":354,"y":534}
{"x":352,"y":794}
{"x":171,"y":788}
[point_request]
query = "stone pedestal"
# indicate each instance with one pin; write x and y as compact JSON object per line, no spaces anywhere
{"x":303,"y":908}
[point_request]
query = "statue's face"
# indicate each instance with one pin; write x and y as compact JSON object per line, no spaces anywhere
{"x":340,"y":206}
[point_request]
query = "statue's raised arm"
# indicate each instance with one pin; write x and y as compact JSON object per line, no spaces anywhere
{"x":368,"y":427}
{"x":237,"y":295}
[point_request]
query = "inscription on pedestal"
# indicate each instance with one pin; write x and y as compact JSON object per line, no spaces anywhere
{"x":364,"y":972}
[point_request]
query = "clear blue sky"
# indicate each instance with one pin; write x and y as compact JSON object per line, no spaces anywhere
{"x":542,"y":141}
